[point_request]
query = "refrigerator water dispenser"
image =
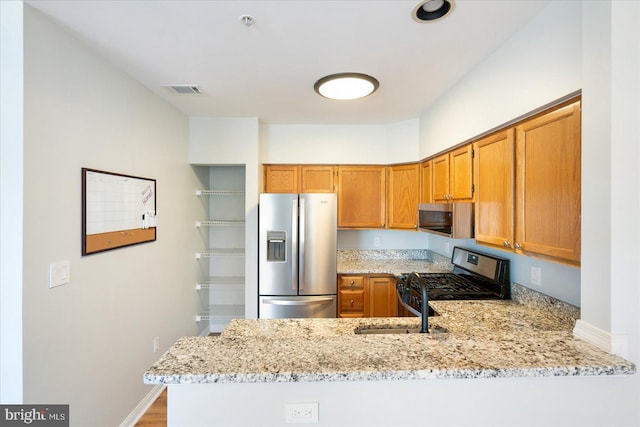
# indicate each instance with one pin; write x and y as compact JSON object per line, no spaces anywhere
{"x":276,"y":246}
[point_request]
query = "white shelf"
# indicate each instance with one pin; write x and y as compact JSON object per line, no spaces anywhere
{"x":220,"y":282}
{"x":220,"y":253}
{"x":222,"y":313}
{"x":220,"y":223}
{"x":224,"y":290}
{"x":219,"y":193}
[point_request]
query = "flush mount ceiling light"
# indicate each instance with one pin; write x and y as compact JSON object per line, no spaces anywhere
{"x":346,"y":86}
{"x":432,"y":10}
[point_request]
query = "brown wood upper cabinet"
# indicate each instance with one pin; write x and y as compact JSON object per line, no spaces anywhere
{"x":528,"y":186}
{"x":361,"y":196}
{"x":453,"y":175}
{"x":548,"y":151}
{"x":426,"y":181}
{"x":299,"y":179}
{"x":402,"y":196}
{"x":318,"y":179}
{"x":495,"y":192}
{"x":281,"y":178}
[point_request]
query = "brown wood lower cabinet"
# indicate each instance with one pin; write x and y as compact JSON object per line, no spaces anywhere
{"x":367,"y":295}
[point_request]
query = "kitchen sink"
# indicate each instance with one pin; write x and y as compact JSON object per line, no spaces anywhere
{"x":367,"y":331}
{"x":379,"y":331}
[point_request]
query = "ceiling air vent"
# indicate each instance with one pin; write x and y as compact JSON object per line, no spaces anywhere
{"x":184,"y":89}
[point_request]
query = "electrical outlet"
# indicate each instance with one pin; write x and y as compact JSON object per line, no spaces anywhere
{"x":376,"y":242}
{"x":156,"y":344}
{"x":536,"y":276}
{"x":301,"y":412}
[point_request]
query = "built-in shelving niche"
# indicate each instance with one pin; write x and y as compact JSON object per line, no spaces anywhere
{"x":221,"y":288}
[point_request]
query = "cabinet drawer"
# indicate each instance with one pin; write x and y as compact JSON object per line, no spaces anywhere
{"x":352,"y":283}
{"x":351,"y":302}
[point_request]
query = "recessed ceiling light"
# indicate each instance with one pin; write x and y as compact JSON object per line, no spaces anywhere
{"x":346,"y":86}
{"x":432,"y":10}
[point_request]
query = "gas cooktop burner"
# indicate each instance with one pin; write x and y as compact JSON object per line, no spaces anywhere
{"x":475,"y":276}
{"x":452,"y":286}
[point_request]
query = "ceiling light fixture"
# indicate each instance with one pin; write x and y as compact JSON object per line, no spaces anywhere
{"x":247,"y":20}
{"x":346,"y":86}
{"x":432,"y":10}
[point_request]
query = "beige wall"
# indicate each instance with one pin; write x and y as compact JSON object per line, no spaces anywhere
{"x":88,"y":343}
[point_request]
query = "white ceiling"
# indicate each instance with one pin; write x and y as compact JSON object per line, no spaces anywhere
{"x":268,"y":70}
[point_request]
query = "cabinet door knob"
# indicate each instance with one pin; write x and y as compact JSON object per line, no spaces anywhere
{"x":352,"y":302}
{"x":517,"y":246}
{"x":506,"y":244}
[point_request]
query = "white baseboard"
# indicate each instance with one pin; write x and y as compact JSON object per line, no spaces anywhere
{"x":593,"y":335}
{"x":143,"y":406}
{"x":611,"y":343}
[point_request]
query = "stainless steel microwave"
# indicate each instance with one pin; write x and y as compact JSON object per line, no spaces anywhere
{"x":455,"y":220}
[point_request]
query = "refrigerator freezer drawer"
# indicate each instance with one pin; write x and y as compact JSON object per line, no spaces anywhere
{"x":298,"y":307}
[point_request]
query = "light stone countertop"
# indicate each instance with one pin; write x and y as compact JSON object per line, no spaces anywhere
{"x":469,"y":339}
{"x":395,"y":267}
{"x":394,"y":262}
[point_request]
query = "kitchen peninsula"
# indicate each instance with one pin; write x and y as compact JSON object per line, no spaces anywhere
{"x":257,"y":366}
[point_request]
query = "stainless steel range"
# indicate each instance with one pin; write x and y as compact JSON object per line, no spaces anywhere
{"x":475,"y":276}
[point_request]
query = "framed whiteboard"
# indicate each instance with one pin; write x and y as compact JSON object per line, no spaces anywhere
{"x":117,"y":210}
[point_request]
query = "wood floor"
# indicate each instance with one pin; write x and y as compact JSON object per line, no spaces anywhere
{"x":156,"y":415}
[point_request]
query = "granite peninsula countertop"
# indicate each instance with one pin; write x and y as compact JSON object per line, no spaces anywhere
{"x":469,"y":339}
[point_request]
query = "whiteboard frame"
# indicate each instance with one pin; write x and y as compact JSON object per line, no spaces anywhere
{"x":114,"y":239}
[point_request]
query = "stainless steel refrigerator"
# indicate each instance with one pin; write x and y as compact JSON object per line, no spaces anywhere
{"x":297,"y":255}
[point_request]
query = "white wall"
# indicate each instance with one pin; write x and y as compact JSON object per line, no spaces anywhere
{"x":235,"y":141}
{"x":341,"y":144}
{"x":11,"y":170}
{"x":591,"y":45}
{"x":625,"y":136}
{"x":611,"y":207}
{"x":490,"y":402}
{"x":88,"y":343}
{"x":611,"y":134}
{"x":539,"y":64}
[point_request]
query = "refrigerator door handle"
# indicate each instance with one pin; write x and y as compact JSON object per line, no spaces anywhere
{"x":298,"y":301}
{"x":294,"y":245}
{"x":301,"y":234}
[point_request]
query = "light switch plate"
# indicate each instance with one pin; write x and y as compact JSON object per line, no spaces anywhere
{"x":59,"y":273}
